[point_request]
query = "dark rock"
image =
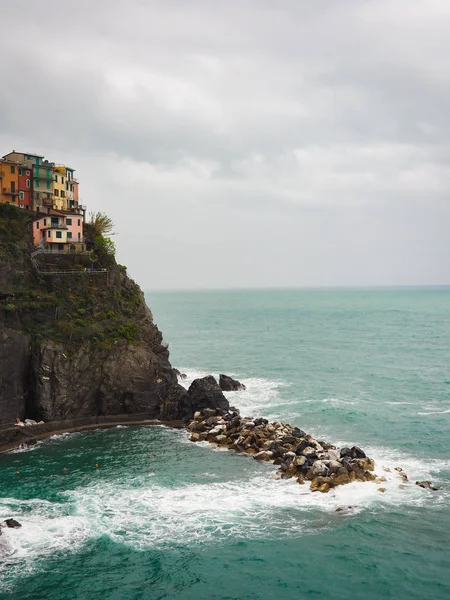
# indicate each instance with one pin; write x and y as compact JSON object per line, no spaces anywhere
{"x":12,"y":523}
{"x":353,"y":452}
{"x":260,"y":421}
{"x":205,"y":393}
{"x":426,"y":485}
{"x":228,"y":384}
{"x":210,"y":413}
{"x":299,"y":433}
{"x":302,"y":446}
{"x":180,"y":375}
{"x":14,"y":367}
{"x":175,"y":405}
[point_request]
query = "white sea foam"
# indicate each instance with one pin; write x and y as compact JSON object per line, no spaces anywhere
{"x":432,"y":412}
{"x":261,"y":398}
{"x":156,"y":516}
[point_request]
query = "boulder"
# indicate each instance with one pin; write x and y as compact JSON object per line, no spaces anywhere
{"x":426,"y":485}
{"x":175,"y":405}
{"x":228,"y":384}
{"x":319,"y":468}
{"x":263,"y":456}
{"x":12,"y":523}
{"x":205,"y":393}
{"x":353,"y":452}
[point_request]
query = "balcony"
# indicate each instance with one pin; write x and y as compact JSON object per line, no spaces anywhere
{"x":47,"y":201}
{"x":10,"y":192}
{"x":54,"y":226}
{"x":45,"y":177}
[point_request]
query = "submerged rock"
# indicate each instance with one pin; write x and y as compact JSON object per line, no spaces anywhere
{"x":228,"y":384}
{"x":427,"y":485}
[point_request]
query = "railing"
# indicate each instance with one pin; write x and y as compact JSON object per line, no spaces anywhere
{"x":9,"y":191}
{"x":39,"y":251}
{"x":54,"y":226}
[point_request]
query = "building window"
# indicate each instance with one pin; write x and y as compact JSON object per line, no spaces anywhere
{"x":37,"y":183}
{"x":79,"y":236}
{"x":21,"y":195}
{"x":55,"y":221}
{"x":63,"y":194}
{"x":38,"y":160}
{"x":69,"y":235}
{"x":56,"y":178}
{"x":28,"y":173}
{"x":59,"y":234}
{"x":48,"y":233}
{"x":13,"y":186}
{"x":79,"y":222}
{"x":20,"y":171}
{"x":45,"y":222}
{"x":48,"y":185}
{"x":27,"y":183}
{"x":56,"y":192}
{"x":37,"y":172}
{"x":13,"y":170}
{"x":37,"y":224}
{"x":67,"y":186}
{"x":68,"y":221}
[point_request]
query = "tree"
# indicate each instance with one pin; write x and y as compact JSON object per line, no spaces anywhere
{"x":99,"y":224}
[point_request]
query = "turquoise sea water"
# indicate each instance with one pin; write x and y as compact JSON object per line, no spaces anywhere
{"x":161,"y":517}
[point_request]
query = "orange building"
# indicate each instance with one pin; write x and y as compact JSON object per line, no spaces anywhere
{"x":9,"y":182}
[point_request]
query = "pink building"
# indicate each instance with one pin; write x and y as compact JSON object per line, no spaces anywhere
{"x":59,"y":231}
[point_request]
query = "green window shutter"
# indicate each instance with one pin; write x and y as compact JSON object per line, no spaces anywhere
{"x":68,"y":221}
{"x":37,"y":183}
{"x":48,"y":185}
{"x":37,"y":171}
{"x":69,"y":235}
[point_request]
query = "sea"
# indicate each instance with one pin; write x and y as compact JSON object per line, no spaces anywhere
{"x":142,"y":513}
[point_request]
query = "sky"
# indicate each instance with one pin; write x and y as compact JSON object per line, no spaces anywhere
{"x":250,"y":143}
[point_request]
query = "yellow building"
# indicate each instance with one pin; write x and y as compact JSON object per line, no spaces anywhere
{"x":60,"y":188}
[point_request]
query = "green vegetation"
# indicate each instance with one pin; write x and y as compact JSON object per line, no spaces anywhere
{"x":13,"y":225}
{"x":74,"y":309}
{"x":96,"y":232}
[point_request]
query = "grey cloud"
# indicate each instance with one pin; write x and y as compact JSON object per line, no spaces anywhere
{"x":284,"y":143}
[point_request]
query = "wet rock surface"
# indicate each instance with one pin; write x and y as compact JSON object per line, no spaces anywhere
{"x":228,"y":384}
{"x":297,"y":454}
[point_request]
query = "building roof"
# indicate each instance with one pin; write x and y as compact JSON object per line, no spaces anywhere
{"x":24,"y":153}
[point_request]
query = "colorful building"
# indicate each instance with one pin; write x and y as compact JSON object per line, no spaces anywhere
{"x":59,"y":188}
{"x":42,"y":177}
{"x":60,"y":232}
{"x":9,"y":181}
{"x":31,"y":182}
{"x":25,"y":199}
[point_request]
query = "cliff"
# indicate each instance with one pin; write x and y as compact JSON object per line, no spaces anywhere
{"x":76,"y":344}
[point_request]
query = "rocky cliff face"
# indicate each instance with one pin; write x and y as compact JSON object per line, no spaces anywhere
{"x":78,"y":344}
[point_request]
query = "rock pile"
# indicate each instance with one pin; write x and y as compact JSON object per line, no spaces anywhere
{"x":295,"y":453}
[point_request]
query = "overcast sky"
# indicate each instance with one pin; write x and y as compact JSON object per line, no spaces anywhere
{"x":250,"y":143}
